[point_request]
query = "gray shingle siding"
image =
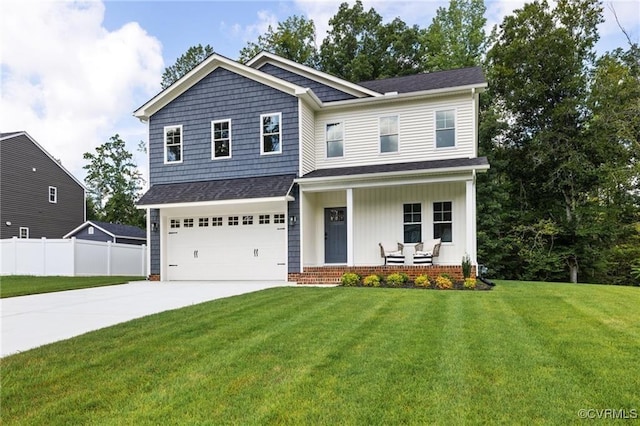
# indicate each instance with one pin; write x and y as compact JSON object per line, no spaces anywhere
{"x":154,"y":244}
{"x":293,"y":234}
{"x":224,"y":95}
{"x":24,"y":193}
{"x":323,"y":92}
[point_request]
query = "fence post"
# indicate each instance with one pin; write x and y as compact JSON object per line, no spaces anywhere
{"x":14,"y":244}
{"x":143,"y":259}
{"x":43,"y":240}
{"x":73,"y":257}
{"x":109,"y":247}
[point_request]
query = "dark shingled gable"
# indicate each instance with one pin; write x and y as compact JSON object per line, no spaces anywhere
{"x":432,"y":165}
{"x":120,"y":230}
{"x":216,"y":190}
{"x":427,"y":81}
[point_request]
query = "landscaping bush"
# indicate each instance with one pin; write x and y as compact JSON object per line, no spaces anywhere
{"x":396,"y":280}
{"x":466,"y":266}
{"x":469,"y":283}
{"x":443,"y":282}
{"x":350,"y":279}
{"x":421,"y":281}
{"x":371,"y":281}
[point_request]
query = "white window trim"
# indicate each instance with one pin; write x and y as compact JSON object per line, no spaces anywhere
{"x":380,"y":134}
{"x":23,"y":228}
{"x":55,"y":195}
{"x":326,"y":139}
{"x":213,"y":140}
{"x":164,"y":144}
{"x":279,"y":114}
{"x":433,"y":222}
{"x":455,"y":129}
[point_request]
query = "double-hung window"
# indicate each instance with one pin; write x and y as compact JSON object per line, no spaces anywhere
{"x":220,"y":139}
{"x":412,"y":223}
{"x":445,"y":128}
{"x":443,"y":221}
{"x":173,"y":144}
{"x":389,"y":134}
{"x":335,"y":140}
{"x":271,"y":133}
{"x":53,"y":194}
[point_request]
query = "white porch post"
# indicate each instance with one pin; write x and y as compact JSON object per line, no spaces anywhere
{"x":471,"y":219}
{"x":349,"y":226}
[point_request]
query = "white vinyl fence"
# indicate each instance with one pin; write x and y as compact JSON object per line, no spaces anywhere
{"x":70,"y":257}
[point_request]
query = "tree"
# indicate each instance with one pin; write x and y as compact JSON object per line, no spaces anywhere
{"x":294,"y":39}
{"x":455,"y":38}
{"x":114,"y":183}
{"x":538,"y":69}
{"x":185,"y":63}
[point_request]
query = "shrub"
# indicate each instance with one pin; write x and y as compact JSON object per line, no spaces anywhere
{"x":372,"y":281}
{"x":443,"y":282}
{"x":396,"y":279}
{"x":350,"y":279}
{"x":466,"y":266}
{"x":469,"y":283}
{"x":421,"y":281}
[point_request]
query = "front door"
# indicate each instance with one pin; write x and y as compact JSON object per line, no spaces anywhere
{"x":335,"y":235}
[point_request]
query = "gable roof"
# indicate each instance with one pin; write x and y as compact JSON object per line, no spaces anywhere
{"x":24,"y":136}
{"x":116,"y":230}
{"x":429,"y":81}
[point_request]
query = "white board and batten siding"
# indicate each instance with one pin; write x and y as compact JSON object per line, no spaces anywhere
{"x":307,"y":137}
{"x":416,"y":132}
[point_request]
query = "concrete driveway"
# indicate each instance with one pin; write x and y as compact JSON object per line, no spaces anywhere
{"x":32,"y":321}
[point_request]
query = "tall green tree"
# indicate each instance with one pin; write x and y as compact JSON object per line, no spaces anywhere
{"x":185,"y":63}
{"x":294,"y":39}
{"x":538,"y":70}
{"x":456,"y":37}
{"x":114,"y":183}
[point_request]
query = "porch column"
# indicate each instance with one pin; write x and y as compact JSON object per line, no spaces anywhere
{"x":471,"y":219}
{"x":349,"y":226}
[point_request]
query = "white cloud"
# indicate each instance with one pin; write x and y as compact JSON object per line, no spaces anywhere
{"x":68,"y":81}
{"x":250,"y":32}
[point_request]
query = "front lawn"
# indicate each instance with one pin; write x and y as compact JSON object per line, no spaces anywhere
{"x":524,"y":353}
{"x":21,"y":285}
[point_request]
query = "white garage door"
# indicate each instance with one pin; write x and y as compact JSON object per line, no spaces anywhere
{"x":232,"y":247}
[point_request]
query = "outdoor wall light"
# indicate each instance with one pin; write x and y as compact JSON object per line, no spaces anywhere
{"x":8,"y":223}
{"x":154,"y":226}
{"x":293,"y":220}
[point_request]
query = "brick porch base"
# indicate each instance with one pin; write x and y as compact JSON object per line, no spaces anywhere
{"x":332,"y":274}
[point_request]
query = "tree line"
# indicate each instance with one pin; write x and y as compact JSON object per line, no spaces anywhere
{"x":559,"y":124}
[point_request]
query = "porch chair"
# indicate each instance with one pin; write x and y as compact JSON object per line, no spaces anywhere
{"x":425,"y":257}
{"x":392,"y":257}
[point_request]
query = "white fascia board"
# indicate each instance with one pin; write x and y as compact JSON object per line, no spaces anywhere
{"x":285,"y":198}
{"x":395,"y":97}
{"x":321,"y":77}
{"x":201,"y":71}
{"x":379,"y":183}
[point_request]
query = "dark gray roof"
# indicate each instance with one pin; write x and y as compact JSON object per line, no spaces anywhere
{"x":427,"y":81}
{"x":9,"y":134}
{"x":215,"y":190}
{"x":120,"y":230}
{"x":432,"y":165}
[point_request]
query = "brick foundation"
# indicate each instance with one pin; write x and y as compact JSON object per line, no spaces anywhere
{"x":332,"y":274}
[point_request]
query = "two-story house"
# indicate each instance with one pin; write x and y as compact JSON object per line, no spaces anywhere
{"x":274,"y":170}
{"x":38,"y":196}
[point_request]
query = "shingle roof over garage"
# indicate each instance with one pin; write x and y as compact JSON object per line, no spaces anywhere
{"x":218,"y":190}
{"x":428,"y":81}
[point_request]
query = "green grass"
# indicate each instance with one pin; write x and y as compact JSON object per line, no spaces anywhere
{"x":524,"y":353}
{"x":21,"y":285}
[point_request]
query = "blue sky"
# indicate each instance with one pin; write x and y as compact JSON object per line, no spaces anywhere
{"x":75,"y":77}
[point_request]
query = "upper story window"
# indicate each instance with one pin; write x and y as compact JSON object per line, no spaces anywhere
{"x":443,"y":221}
{"x":53,"y":194}
{"x":412,"y":222}
{"x":271,"y":133}
{"x":24,"y":232}
{"x":445,"y":128}
{"x":335,"y":140}
{"x":173,"y":144}
{"x":221,"y":139}
{"x":389,"y":134}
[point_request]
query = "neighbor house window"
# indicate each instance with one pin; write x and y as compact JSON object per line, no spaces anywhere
{"x":271,"y":133}
{"x":24,"y":232}
{"x":173,"y":144}
{"x":53,"y":194}
{"x":221,"y":139}
{"x":445,"y":129}
{"x":412,"y":223}
{"x":389,"y":134}
{"x":335,"y":140}
{"x":442,"y":221}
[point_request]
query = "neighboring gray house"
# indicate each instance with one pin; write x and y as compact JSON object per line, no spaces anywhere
{"x":38,"y":196}
{"x":272,"y":170}
{"x":104,"y":231}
